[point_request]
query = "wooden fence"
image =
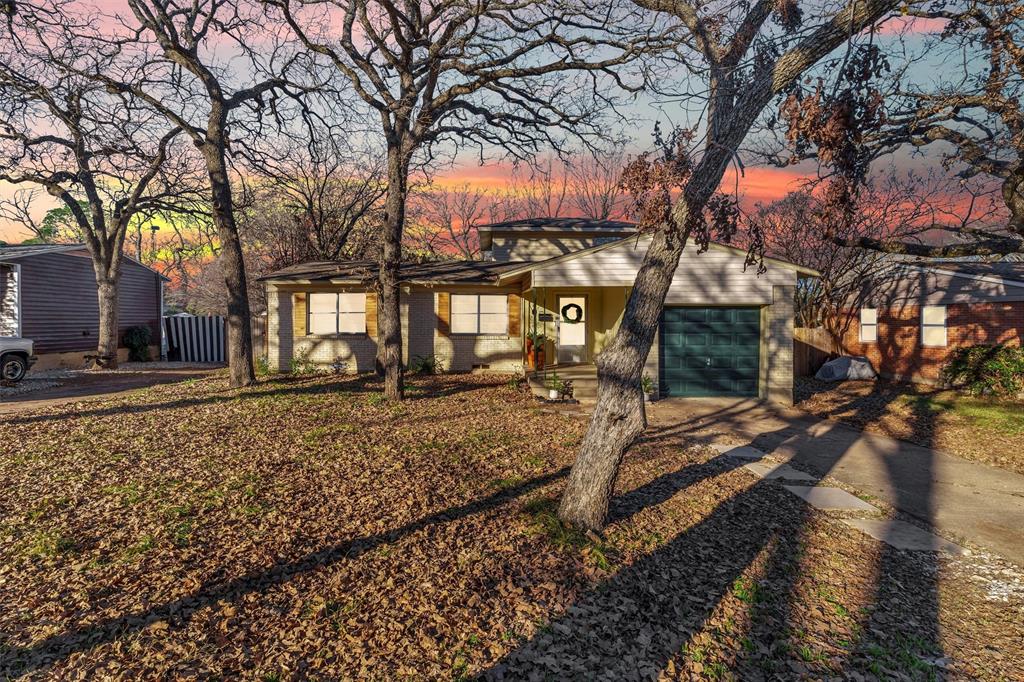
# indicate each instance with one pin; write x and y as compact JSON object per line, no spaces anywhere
{"x":195,"y":338}
{"x":812,"y":348}
{"x":203,"y":338}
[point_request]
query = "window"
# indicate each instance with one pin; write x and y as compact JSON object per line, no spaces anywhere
{"x":337,"y":314}
{"x":868,"y":325}
{"x":933,"y":325}
{"x":479,"y":314}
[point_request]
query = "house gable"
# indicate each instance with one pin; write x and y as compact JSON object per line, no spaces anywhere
{"x":539,"y":239}
{"x":717,"y":276}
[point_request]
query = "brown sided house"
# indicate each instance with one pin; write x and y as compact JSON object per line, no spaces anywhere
{"x":726,"y":330}
{"x":48,"y":295}
{"x":911,"y":316}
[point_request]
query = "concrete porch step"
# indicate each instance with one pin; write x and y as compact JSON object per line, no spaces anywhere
{"x":583,"y":378}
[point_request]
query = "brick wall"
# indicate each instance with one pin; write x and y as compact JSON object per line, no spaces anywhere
{"x":461,"y":352}
{"x":777,"y":342}
{"x":898,"y":353}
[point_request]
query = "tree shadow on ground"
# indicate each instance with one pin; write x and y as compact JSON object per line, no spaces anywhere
{"x":25,"y":660}
{"x":636,"y":622}
{"x":278,"y":387}
{"x":642,"y":621}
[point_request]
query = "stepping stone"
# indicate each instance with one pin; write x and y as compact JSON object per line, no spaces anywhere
{"x":831,"y":499}
{"x":777,"y":471}
{"x":738,"y":451}
{"x":903,"y":535}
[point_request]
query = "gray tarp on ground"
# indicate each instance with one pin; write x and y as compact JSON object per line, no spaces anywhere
{"x":842,"y":369}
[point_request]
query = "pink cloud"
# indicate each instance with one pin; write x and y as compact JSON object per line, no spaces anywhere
{"x":911,"y":26}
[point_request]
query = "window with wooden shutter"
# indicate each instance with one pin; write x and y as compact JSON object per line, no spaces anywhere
{"x":443,"y":313}
{"x":371,"y":315}
{"x":479,"y":314}
{"x":330,"y":314}
{"x":514,"y":315}
{"x":299,"y":314}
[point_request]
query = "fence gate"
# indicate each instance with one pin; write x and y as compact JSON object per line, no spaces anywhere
{"x":194,"y":338}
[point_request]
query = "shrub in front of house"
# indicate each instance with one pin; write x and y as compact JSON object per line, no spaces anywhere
{"x":987,"y":370}
{"x":137,"y":341}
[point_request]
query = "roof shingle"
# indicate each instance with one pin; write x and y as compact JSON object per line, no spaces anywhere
{"x":364,"y":272}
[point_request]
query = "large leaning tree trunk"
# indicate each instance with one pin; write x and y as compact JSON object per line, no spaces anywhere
{"x":495,"y":75}
{"x":733,"y":107}
{"x":619,"y":416}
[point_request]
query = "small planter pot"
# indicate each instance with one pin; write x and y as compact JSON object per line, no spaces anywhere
{"x":553,"y":394}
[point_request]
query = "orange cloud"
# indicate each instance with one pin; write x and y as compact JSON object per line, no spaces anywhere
{"x":756,"y":184}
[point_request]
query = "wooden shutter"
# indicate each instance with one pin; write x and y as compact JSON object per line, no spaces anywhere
{"x":514,"y":315}
{"x":444,"y":315}
{"x":371,"y":314}
{"x":299,"y":315}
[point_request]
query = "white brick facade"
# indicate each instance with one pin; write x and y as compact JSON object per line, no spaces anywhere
{"x":420,"y":338}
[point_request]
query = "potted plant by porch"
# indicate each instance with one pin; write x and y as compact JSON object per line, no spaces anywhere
{"x":648,"y":388}
{"x":555,"y":386}
{"x":535,"y":341}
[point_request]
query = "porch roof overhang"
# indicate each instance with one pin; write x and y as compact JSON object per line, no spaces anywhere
{"x":364,"y":273}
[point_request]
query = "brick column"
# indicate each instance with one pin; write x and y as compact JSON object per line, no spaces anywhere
{"x":279,"y":328}
{"x":779,"y":345}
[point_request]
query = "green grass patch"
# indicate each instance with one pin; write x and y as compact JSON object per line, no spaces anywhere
{"x":746,"y":590}
{"x":1002,"y":416}
{"x":544,"y":513}
{"x":50,"y":543}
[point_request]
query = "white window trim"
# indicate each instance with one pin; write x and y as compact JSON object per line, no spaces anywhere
{"x":337,"y":314}
{"x":492,"y":335}
{"x":861,"y":325}
{"x":944,"y":326}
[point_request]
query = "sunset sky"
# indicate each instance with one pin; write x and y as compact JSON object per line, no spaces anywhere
{"x":757,"y":184}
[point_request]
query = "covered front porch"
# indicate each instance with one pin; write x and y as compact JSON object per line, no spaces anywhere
{"x":570,"y":325}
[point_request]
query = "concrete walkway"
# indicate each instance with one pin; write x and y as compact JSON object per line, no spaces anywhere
{"x":965,"y":500}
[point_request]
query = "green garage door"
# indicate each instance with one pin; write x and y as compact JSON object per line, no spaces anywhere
{"x":710,"y":351}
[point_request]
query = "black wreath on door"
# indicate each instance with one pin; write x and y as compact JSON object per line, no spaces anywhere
{"x":575,"y":309}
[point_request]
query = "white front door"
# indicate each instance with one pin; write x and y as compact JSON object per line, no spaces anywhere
{"x":572,"y":329}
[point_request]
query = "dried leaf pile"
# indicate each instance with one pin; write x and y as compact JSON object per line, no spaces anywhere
{"x":306,"y":529}
{"x":987,"y":430}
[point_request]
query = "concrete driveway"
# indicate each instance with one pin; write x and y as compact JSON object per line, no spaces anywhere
{"x":962,"y":499}
{"x":96,"y":386}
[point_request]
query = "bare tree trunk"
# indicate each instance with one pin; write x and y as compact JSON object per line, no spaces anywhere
{"x":619,"y":416}
{"x":389,"y":349}
{"x":107,"y":297}
{"x":239,"y":351}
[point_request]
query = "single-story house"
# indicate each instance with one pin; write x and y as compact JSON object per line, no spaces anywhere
{"x":726,"y":330}
{"x":911,"y":316}
{"x":48,"y":295}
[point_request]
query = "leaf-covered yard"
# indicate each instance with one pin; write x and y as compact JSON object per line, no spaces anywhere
{"x":305,"y":528}
{"x":983,"y":429}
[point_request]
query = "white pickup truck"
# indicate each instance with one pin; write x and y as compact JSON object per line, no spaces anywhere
{"x":15,"y":358}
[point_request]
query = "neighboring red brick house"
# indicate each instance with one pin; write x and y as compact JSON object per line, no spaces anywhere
{"x":912,"y":317}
